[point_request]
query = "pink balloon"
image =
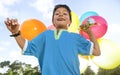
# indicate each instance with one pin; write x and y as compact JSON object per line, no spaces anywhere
{"x":51,"y":27}
{"x":99,"y":29}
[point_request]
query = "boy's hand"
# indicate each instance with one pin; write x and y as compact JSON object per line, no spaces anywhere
{"x":87,"y":27}
{"x":12,"y":25}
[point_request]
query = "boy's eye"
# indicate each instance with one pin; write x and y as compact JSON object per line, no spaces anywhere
{"x":65,"y":13}
{"x":56,"y":13}
{"x":61,"y":13}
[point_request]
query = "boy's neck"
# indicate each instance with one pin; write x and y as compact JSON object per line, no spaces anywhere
{"x":58,"y":29}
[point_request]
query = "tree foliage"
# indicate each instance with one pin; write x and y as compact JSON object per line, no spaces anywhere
{"x":19,"y":68}
{"x":115,"y":71}
{"x":88,"y":71}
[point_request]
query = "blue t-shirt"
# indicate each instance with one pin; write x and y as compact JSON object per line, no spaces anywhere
{"x":58,"y":53}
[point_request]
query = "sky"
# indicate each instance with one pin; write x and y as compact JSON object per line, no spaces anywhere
{"x":42,"y":10}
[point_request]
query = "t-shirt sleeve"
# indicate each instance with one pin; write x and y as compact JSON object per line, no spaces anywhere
{"x":84,"y":46}
{"x":35,"y":47}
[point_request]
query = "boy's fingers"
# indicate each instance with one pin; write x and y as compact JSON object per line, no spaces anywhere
{"x":6,"y":23}
{"x":12,"y":20}
{"x":9,"y":21}
{"x":15,"y":22}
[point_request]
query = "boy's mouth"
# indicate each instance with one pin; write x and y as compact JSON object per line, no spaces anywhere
{"x":60,"y":19}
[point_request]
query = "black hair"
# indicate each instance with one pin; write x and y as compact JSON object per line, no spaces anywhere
{"x":64,"y":6}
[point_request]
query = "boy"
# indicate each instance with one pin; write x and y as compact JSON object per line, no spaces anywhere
{"x":57,"y":50}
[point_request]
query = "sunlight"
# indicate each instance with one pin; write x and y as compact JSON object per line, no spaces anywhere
{"x":93,"y":66}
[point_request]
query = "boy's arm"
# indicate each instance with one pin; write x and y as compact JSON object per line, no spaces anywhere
{"x":13,"y":26}
{"x":96,"y":48}
{"x":20,"y":41}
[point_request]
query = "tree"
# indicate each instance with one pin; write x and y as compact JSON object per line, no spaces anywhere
{"x":115,"y":71}
{"x":4,"y":63}
{"x":19,"y":68}
{"x":88,"y":71}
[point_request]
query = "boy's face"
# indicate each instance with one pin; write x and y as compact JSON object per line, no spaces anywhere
{"x":61,"y":19}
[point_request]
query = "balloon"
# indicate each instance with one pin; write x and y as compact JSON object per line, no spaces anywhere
{"x":99,"y":29}
{"x":86,"y":15}
{"x":83,"y":63}
{"x":110,"y":55}
{"x":75,"y":23}
{"x":51,"y":27}
{"x":31,"y":28}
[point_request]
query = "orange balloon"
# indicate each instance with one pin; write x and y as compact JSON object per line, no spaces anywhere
{"x":31,"y":28}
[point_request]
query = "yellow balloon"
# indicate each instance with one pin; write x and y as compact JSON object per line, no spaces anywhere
{"x":110,"y":55}
{"x":74,"y":26}
{"x":83,"y":63}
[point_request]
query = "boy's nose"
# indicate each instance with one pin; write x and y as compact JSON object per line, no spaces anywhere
{"x":60,"y":14}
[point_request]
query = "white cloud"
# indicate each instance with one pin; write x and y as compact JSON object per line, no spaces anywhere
{"x":113,"y":29}
{"x":2,"y":48}
{"x":113,"y":33}
{"x":16,"y":55}
{"x":44,"y":6}
{"x":3,"y":10}
{"x":8,"y":2}
{"x":4,"y":7}
{"x":1,"y":28}
{"x":2,"y":59}
{"x":4,"y":45}
{"x":29,"y":60}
